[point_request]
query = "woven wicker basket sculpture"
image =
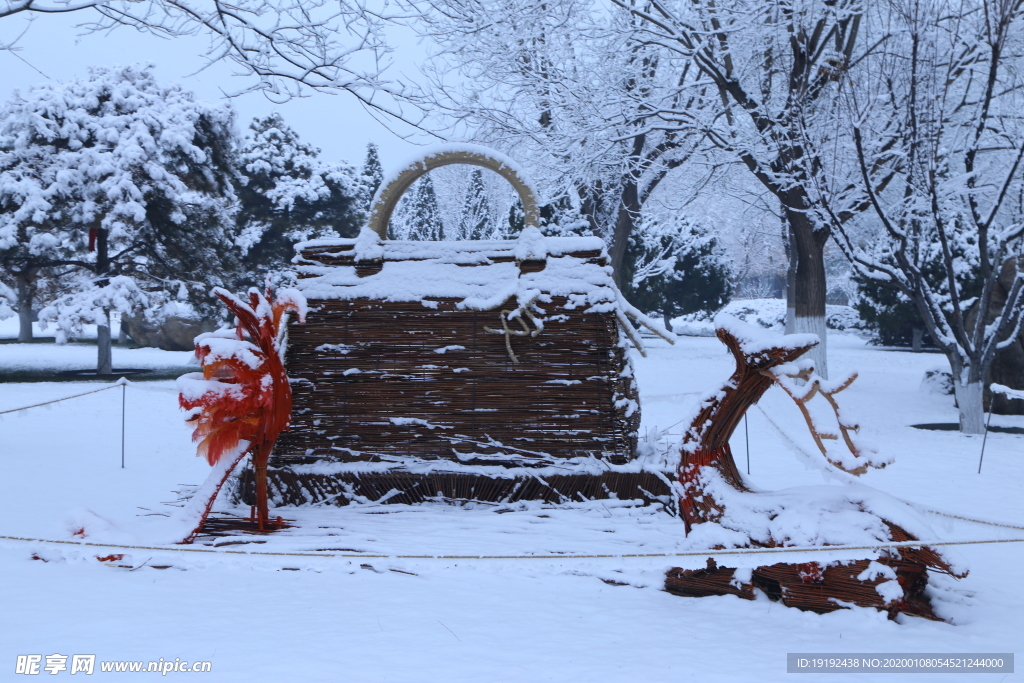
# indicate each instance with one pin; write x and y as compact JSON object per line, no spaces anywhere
{"x":473,"y":370}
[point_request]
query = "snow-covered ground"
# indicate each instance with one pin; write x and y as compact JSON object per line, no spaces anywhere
{"x":79,"y":354}
{"x":303,"y":617}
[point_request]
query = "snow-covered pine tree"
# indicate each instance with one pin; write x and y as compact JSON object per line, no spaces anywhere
{"x":124,"y":185}
{"x":372,"y":176}
{"x":893,"y":316}
{"x":287,"y":195}
{"x":418,"y":216}
{"x":474,"y":224}
{"x":516,"y":219}
{"x":675,"y":267}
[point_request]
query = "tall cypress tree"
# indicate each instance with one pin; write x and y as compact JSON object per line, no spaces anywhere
{"x":423,"y":217}
{"x":373,"y":175}
{"x":476,"y":212}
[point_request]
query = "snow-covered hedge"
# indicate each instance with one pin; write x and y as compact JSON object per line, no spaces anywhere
{"x":767,"y":313}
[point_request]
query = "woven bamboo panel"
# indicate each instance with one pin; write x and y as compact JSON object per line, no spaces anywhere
{"x":428,"y":379}
{"x":288,"y":487}
{"x":397,"y":378}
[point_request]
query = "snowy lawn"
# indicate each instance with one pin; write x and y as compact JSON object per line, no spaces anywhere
{"x":300,"y":617}
{"x":18,"y":360}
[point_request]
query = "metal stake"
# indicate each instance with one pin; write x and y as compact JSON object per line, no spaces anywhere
{"x":985,"y":438}
{"x":123,"y":391}
{"x":747,"y":434}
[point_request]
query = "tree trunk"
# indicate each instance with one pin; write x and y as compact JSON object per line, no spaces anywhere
{"x":809,"y":287}
{"x":625,"y":220}
{"x":970,"y":402}
{"x":26,"y":290}
{"x":122,"y":331}
{"x":790,"y":281}
{"x":918,"y":339}
{"x":24,"y":322}
{"x":668,"y":321}
{"x":104,"y":358}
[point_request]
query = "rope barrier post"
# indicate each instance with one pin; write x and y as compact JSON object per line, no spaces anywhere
{"x":746,"y":433}
{"x":124,"y":390}
{"x":985,"y":438}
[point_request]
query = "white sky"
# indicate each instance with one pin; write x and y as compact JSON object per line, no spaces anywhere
{"x":335,"y":123}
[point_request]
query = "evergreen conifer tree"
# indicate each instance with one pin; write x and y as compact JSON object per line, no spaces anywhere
{"x":122,"y":186}
{"x":675,"y":268}
{"x":373,"y":175}
{"x":894,"y":318}
{"x":288,"y":195}
{"x":421,"y":217}
{"x":476,"y":212}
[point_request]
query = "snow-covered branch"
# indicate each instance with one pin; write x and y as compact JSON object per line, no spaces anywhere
{"x":286,"y":47}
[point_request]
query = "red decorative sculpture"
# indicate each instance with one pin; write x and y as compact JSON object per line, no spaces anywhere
{"x":717,"y":504}
{"x":242,"y":398}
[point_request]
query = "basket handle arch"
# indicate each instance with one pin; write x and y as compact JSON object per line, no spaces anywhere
{"x":386,"y":199}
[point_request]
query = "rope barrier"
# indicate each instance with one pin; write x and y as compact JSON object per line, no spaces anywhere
{"x":696,"y":553}
{"x":933,"y":511}
{"x":919,"y":506}
{"x":118,"y":383}
{"x":702,"y":553}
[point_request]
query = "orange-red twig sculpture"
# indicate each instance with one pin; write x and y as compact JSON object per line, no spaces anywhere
{"x":718,"y":506}
{"x":242,"y":401}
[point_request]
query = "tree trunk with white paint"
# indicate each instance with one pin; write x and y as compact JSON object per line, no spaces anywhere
{"x":970,"y":401}
{"x":104,"y":355}
{"x":809,"y":287}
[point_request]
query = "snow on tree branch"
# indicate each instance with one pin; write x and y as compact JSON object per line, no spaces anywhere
{"x":286,"y":47}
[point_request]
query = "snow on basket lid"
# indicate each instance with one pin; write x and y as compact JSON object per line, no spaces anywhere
{"x":530,"y":269}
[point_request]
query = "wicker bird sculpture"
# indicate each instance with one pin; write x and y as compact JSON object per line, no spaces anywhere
{"x":719,"y":507}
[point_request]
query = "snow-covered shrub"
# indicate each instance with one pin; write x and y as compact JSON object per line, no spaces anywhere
{"x":771,"y":315}
{"x":767,"y":313}
{"x":843,"y":318}
{"x":938,"y":381}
